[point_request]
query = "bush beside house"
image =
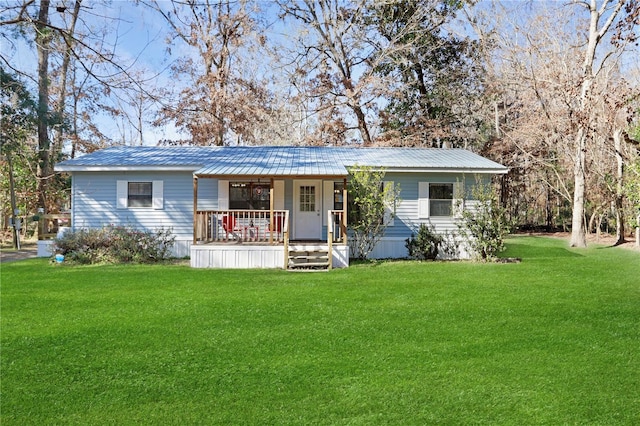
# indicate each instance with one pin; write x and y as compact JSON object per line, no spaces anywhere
{"x":115,"y":244}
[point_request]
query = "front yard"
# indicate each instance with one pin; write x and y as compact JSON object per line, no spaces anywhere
{"x":551,"y":340}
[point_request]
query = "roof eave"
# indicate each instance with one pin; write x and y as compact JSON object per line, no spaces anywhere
{"x":74,"y":168}
{"x":268,"y":176}
{"x":457,"y":170}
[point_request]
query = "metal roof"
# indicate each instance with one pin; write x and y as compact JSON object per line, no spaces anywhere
{"x":279,"y":160}
{"x":274,"y":161}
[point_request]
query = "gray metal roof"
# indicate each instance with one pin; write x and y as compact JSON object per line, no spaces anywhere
{"x":279,"y":160}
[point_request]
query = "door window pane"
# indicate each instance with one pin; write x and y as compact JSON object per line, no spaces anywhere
{"x":307,"y":198}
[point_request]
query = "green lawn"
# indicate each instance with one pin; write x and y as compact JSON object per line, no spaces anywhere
{"x":552,"y":340}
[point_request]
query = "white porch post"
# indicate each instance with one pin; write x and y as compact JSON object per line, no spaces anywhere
{"x":195,"y":207}
{"x":343,"y":225}
{"x":271,"y":218}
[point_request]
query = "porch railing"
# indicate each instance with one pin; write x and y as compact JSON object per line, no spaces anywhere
{"x":336,"y":231}
{"x":337,"y":228}
{"x":241,"y":225}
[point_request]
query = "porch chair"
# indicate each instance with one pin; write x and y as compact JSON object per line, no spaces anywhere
{"x":278,"y":224}
{"x":229,"y":226}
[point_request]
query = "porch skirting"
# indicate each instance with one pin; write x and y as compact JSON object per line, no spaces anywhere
{"x":235,"y":256}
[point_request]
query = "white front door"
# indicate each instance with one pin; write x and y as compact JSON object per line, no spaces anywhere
{"x":307,"y":210}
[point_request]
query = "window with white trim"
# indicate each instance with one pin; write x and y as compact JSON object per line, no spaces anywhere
{"x":389,"y":204}
{"x":440,"y":199}
{"x":140,"y":194}
{"x":307,"y":198}
{"x":435,"y":199}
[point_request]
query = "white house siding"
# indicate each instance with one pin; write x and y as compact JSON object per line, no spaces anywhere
{"x":94,"y":204}
{"x":407,"y":220}
{"x":207,"y":194}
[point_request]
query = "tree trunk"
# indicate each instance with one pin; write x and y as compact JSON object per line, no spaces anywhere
{"x":362,"y":125}
{"x":578,"y":237}
{"x":14,"y":207}
{"x":548,"y":210}
{"x":43,"y":41}
{"x":617,"y":141}
{"x":591,"y":227}
{"x":496,"y":118}
{"x":578,"y":232}
{"x":56,"y":147}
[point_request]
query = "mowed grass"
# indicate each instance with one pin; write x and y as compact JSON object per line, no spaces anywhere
{"x":554,"y":339}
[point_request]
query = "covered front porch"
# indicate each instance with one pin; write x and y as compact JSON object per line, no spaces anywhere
{"x":296,"y":224}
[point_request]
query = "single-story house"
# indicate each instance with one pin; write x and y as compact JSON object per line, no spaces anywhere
{"x":266,"y":206}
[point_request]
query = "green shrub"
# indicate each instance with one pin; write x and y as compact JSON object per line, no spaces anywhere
{"x":372,"y":206}
{"x":425,"y":245}
{"x":484,"y":226}
{"x":115,"y":244}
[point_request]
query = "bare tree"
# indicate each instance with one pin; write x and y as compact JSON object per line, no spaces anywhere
{"x":334,"y":62}
{"x":602,"y":18}
{"x":219,"y":97}
{"x":71,"y":52}
{"x":67,"y":38}
{"x":43,"y":41}
{"x":552,"y":88}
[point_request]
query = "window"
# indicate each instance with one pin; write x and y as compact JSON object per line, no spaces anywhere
{"x":338,"y":194}
{"x":389,"y":204}
{"x":140,"y":194}
{"x":249,"y":196}
{"x":388,"y":215}
{"x":307,"y":198}
{"x":441,"y":199}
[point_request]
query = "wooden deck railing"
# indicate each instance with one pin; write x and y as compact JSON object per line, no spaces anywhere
{"x":213,"y":226}
{"x":50,"y":224}
{"x":336,"y":231}
{"x":337,"y":228}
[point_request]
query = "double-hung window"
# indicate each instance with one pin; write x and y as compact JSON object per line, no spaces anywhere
{"x":435,"y":199}
{"x":441,"y":199}
{"x":139,"y":194}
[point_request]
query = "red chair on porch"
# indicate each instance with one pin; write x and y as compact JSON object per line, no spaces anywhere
{"x":229,"y":225}
{"x":278,"y":224}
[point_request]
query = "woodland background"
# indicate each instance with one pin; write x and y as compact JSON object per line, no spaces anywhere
{"x":549,"y":89}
